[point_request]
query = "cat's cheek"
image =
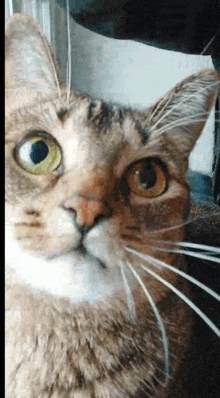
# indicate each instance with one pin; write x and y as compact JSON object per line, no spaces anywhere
{"x":59,"y":222}
{"x":22,"y":186}
{"x":43,"y":235}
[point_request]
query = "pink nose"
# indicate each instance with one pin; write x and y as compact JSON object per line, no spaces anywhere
{"x":87,"y":211}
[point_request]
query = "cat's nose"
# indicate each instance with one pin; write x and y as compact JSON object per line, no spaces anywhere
{"x":87,"y":212}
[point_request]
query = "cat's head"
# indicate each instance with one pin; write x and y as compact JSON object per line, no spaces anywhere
{"x":85,"y":181}
{"x":96,"y":201}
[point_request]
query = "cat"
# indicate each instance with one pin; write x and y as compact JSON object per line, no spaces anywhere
{"x":98,"y":213}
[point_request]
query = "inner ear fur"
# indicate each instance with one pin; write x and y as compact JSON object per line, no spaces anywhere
{"x":182,"y":113}
{"x":30,"y":67}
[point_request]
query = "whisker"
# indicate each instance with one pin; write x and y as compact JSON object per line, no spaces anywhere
{"x":53,"y":67}
{"x":195,"y":94}
{"x":161,"y":230}
{"x":157,"y":314}
{"x":209,"y":44}
{"x":211,"y":249}
{"x":208,"y":253}
{"x":200,"y":246}
{"x":68,"y":77}
{"x":207,"y":250}
{"x":184,"y":298}
{"x":130,"y":300}
{"x":158,"y":106}
{"x":156,"y":261}
{"x":178,"y":124}
{"x":166,"y":104}
{"x":197,"y":255}
{"x":180,"y":225}
{"x":181,"y":122}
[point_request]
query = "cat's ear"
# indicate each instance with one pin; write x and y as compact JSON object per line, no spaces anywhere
{"x":30,"y":68}
{"x":182,"y":113}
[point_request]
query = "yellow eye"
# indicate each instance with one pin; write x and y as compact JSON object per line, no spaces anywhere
{"x":147,"y":178}
{"x":38,"y":154}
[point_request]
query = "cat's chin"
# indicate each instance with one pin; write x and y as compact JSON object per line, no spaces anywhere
{"x":88,"y":272}
{"x":77,"y":275}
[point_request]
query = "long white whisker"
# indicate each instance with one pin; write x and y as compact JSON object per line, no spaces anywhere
{"x":205,"y":249}
{"x":199,"y":246}
{"x":210,"y":255}
{"x":184,"y":298}
{"x":195,"y":94}
{"x":130,"y":300}
{"x":69,"y":54}
{"x":156,"y":261}
{"x":157,"y":314}
{"x":192,"y":245}
{"x":197,"y":255}
{"x":210,"y":251}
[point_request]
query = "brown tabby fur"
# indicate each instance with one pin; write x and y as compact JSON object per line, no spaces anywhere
{"x":58,"y":345}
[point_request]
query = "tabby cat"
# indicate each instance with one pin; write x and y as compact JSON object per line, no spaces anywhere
{"x":97,"y":211}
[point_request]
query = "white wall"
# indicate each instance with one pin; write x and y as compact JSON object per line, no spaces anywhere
{"x":125,"y":72}
{"x":134,"y":74}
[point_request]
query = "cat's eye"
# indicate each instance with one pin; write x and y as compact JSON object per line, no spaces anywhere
{"x":147,"y":178}
{"x":38,"y":154}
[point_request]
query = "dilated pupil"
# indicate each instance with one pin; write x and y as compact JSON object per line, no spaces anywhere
{"x":39,"y":151}
{"x":148,"y":176}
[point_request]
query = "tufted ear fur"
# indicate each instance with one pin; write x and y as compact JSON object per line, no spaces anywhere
{"x":179,"y":116}
{"x":30,"y":69}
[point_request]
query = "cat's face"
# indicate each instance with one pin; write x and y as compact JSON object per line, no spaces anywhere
{"x":113,"y":185}
{"x":87,"y":182}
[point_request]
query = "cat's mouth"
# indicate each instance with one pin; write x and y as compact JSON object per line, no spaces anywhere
{"x":83,"y":252}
